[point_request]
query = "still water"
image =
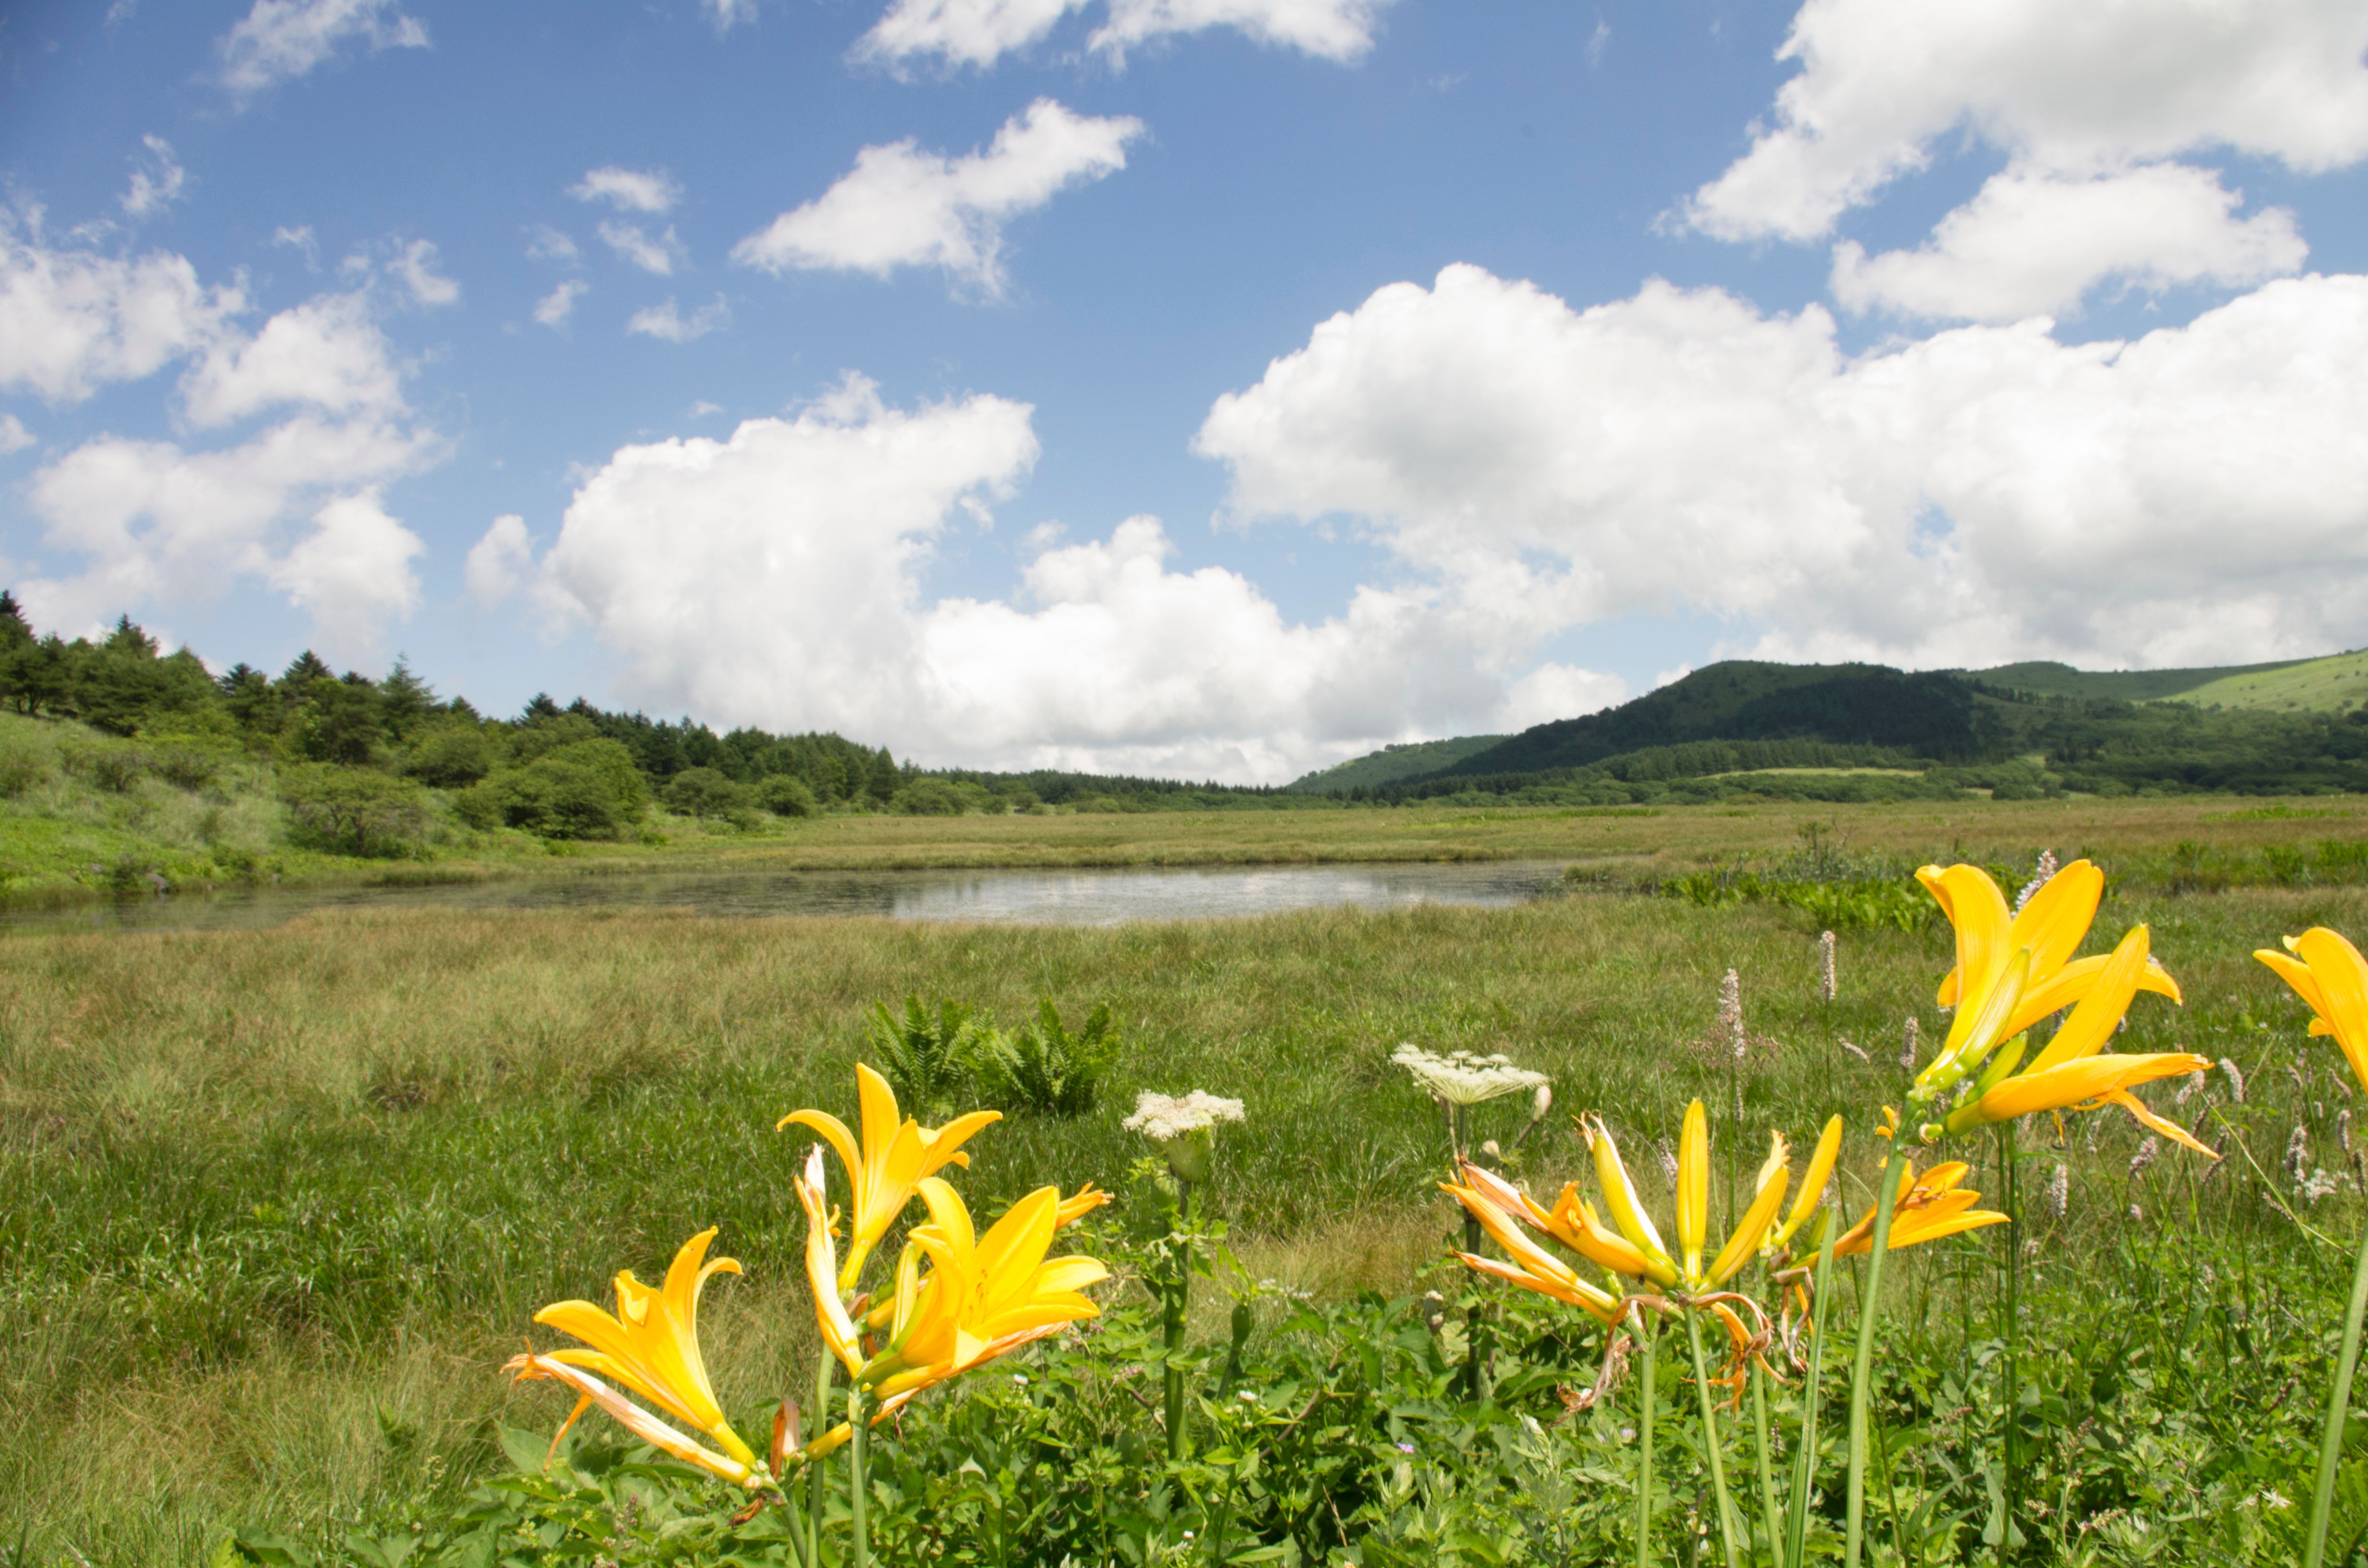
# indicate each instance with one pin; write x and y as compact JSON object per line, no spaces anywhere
{"x":1068,"y":897}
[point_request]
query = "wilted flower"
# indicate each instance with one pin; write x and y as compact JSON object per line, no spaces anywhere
{"x":1462,"y":1078}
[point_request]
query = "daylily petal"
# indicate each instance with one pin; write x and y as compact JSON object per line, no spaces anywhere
{"x":1744,"y":1242}
{"x":2071,"y":1084}
{"x":2100,"y":1013}
{"x":631,"y":1416}
{"x":2146,"y":1119}
{"x":1693,"y":1186}
{"x":1620,"y":1199}
{"x":1812,"y":1180}
{"x":2071,"y":983}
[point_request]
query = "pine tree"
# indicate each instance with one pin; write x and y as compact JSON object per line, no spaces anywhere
{"x":404,"y":699}
{"x":15,"y":631}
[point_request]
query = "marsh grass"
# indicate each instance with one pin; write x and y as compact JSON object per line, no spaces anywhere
{"x":279,"y":1203}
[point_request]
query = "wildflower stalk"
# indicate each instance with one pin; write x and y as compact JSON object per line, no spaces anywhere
{"x":1768,"y":1505}
{"x":2339,"y":1407}
{"x":814,"y":1479}
{"x":857,"y":1453}
{"x":1805,"y":1461}
{"x":1171,"y":1320}
{"x":2011,"y":1372}
{"x":1862,"y":1370}
{"x":1709,"y":1440}
{"x":1652,"y":1395}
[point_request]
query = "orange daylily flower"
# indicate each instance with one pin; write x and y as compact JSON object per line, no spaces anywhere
{"x":893,"y":1157}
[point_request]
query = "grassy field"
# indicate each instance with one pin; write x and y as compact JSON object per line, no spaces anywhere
{"x":281,"y":1202}
{"x":2338,"y":681}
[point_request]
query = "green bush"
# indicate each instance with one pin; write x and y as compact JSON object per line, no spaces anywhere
{"x":930,"y":797}
{"x":785,"y":795}
{"x":702,"y":792}
{"x":354,"y":810}
{"x":1042,"y":1067}
{"x":450,"y":756}
{"x":20,"y":771}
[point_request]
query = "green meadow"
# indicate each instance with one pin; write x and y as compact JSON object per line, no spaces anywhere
{"x":279,"y":1203}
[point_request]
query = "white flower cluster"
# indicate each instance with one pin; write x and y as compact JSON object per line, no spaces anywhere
{"x":1165,"y":1117}
{"x":1462,"y":1078}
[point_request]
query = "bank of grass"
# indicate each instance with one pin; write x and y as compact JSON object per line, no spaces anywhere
{"x":280,"y":1202}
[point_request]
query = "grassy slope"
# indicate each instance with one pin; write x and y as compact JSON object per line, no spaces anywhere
{"x":2324,"y":684}
{"x":1392,"y":763}
{"x":287,"y":1198}
{"x":2047,"y":678}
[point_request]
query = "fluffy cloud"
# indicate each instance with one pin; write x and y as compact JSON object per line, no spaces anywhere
{"x":414,"y":264}
{"x":497,"y":563}
{"x":1988,"y":492}
{"x":353,"y":570}
{"x":774,"y":579}
{"x":651,"y":254}
{"x":670,"y":325}
{"x":280,"y":40}
{"x":980,"y":33}
{"x":14,"y":437}
{"x":155,"y":522}
{"x":553,"y":308}
{"x":326,"y":354}
{"x":2033,"y":244}
{"x":2068,"y":88}
{"x":158,"y":186}
{"x":71,"y":320}
{"x":903,"y":207}
{"x":628,"y":190}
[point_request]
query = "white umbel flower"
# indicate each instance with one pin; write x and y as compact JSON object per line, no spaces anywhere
{"x":1462,"y":1078}
{"x":1165,"y":1117}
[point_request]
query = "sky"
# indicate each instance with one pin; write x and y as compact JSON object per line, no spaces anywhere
{"x":1202,"y":388}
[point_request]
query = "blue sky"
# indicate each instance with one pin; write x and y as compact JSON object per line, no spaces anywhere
{"x":1209,"y":386}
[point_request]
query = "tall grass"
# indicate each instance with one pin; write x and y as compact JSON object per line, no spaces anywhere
{"x":277,"y":1203}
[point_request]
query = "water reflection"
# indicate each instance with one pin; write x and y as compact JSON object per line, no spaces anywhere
{"x":1012,"y":896}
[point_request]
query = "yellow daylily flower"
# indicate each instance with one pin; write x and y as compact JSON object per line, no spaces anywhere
{"x":2076,"y":1071}
{"x":1644,"y":1256}
{"x":1927,"y":1208}
{"x":1813,"y":1186}
{"x":2014,"y":970}
{"x":893,"y":1157}
{"x":651,"y":1346}
{"x":1503,"y":1209}
{"x":2328,"y":972}
{"x":822,"y":1267}
{"x":983,"y":1295}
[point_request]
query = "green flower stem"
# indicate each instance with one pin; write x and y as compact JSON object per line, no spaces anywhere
{"x":2011,"y":1190}
{"x":1768,"y":1506}
{"x":859,"y":1447}
{"x":1805,"y":1461}
{"x":1709,"y":1440}
{"x":1171,"y":1324}
{"x":814,"y":1478}
{"x":1863,"y":1370}
{"x":2338,"y":1408}
{"x":1651,"y":1400}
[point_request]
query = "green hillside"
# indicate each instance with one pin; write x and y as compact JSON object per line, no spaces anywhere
{"x":2044,"y":678}
{"x":1743,"y":699}
{"x":1412,"y":759}
{"x":2324,"y":686}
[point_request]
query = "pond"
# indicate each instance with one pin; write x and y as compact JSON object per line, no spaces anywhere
{"x":1027,"y":896}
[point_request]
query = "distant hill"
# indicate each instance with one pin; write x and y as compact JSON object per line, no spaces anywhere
{"x":1745,"y":700}
{"x":1414,"y":759}
{"x":2047,"y":678}
{"x":2299,"y":725}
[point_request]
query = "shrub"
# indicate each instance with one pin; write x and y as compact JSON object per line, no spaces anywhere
{"x":115,"y":772}
{"x":785,"y":795}
{"x":1043,"y":1067}
{"x":20,"y":771}
{"x":184,"y":768}
{"x":354,"y":810}
{"x":928,"y":798}
{"x":703,"y":792}
{"x":450,"y":756}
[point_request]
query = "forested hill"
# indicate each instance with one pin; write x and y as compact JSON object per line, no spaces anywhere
{"x":1857,"y":705}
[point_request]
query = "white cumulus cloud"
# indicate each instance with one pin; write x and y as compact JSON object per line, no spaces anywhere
{"x":652,"y":254}
{"x":2060,"y":87}
{"x":2197,"y":494}
{"x":904,"y":206}
{"x":2033,"y":243}
{"x":157,"y":187}
{"x":553,"y":308}
{"x":628,"y":190}
{"x":326,"y":354}
{"x":497,"y":563}
{"x":280,"y":40}
{"x":669,"y":325}
{"x":352,"y":574}
{"x":14,"y":437}
{"x":979,"y":32}
{"x":414,"y":264}
{"x":775,"y":578}
{"x":71,"y":320}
